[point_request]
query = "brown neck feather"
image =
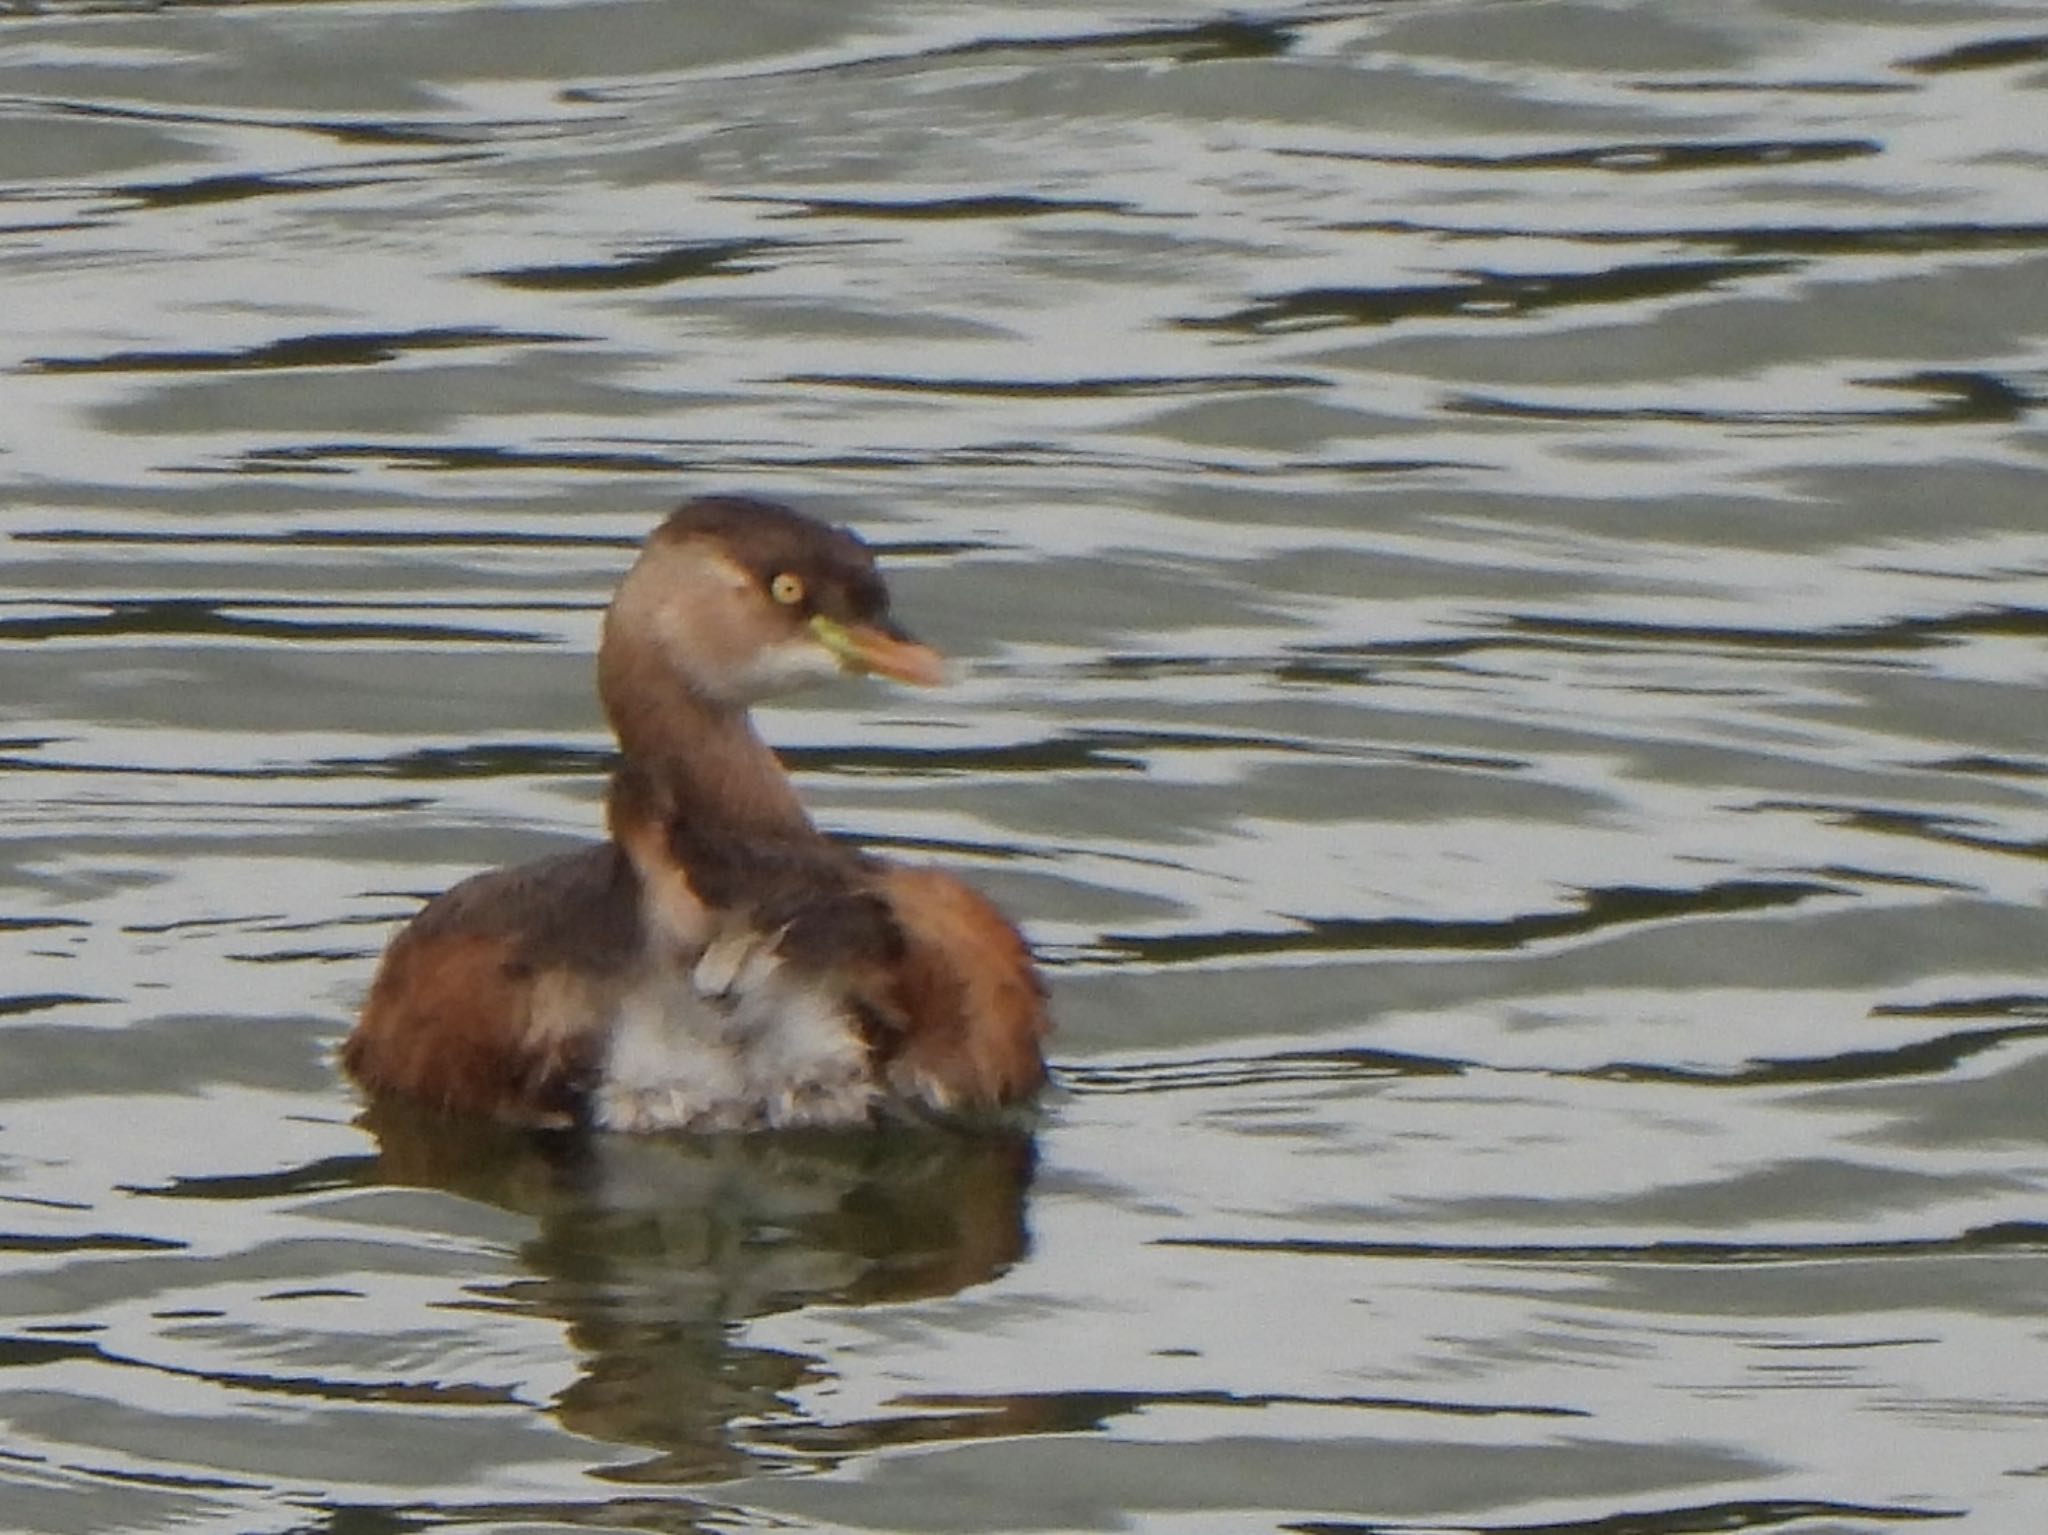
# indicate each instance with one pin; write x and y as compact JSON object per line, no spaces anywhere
{"x":693,"y":756}
{"x":699,"y":794}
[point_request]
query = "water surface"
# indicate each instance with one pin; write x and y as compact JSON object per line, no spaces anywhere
{"x":1499,"y":555}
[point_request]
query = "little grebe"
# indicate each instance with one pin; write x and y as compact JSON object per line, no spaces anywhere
{"x":719,"y":963}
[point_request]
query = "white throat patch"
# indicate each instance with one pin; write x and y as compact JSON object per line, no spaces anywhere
{"x":796,"y":663}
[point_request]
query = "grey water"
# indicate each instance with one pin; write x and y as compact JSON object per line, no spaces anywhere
{"x":1497,"y":552}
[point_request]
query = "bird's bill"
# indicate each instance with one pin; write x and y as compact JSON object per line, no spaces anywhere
{"x":866,"y":648}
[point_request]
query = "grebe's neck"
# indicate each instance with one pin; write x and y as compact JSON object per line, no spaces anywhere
{"x":693,"y":759}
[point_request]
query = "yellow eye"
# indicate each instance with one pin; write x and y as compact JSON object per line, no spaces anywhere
{"x":787,"y":588}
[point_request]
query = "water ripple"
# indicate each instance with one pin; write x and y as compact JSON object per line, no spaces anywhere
{"x":652,"y":268}
{"x":2020,"y":1237}
{"x":331,"y":350}
{"x":1598,"y":911}
{"x":1628,"y":159}
{"x":1690,"y":1519}
{"x":1485,"y":293}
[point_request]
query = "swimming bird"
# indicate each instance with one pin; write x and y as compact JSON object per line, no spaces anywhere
{"x":718,"y":962}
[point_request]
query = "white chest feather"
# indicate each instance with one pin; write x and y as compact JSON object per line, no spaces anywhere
{"x":777,"y":1053}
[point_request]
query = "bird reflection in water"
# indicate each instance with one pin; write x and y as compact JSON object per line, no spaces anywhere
{"x":650,"y":1249}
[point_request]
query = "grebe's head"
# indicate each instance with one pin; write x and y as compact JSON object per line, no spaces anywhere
{"x":743,"y":599}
